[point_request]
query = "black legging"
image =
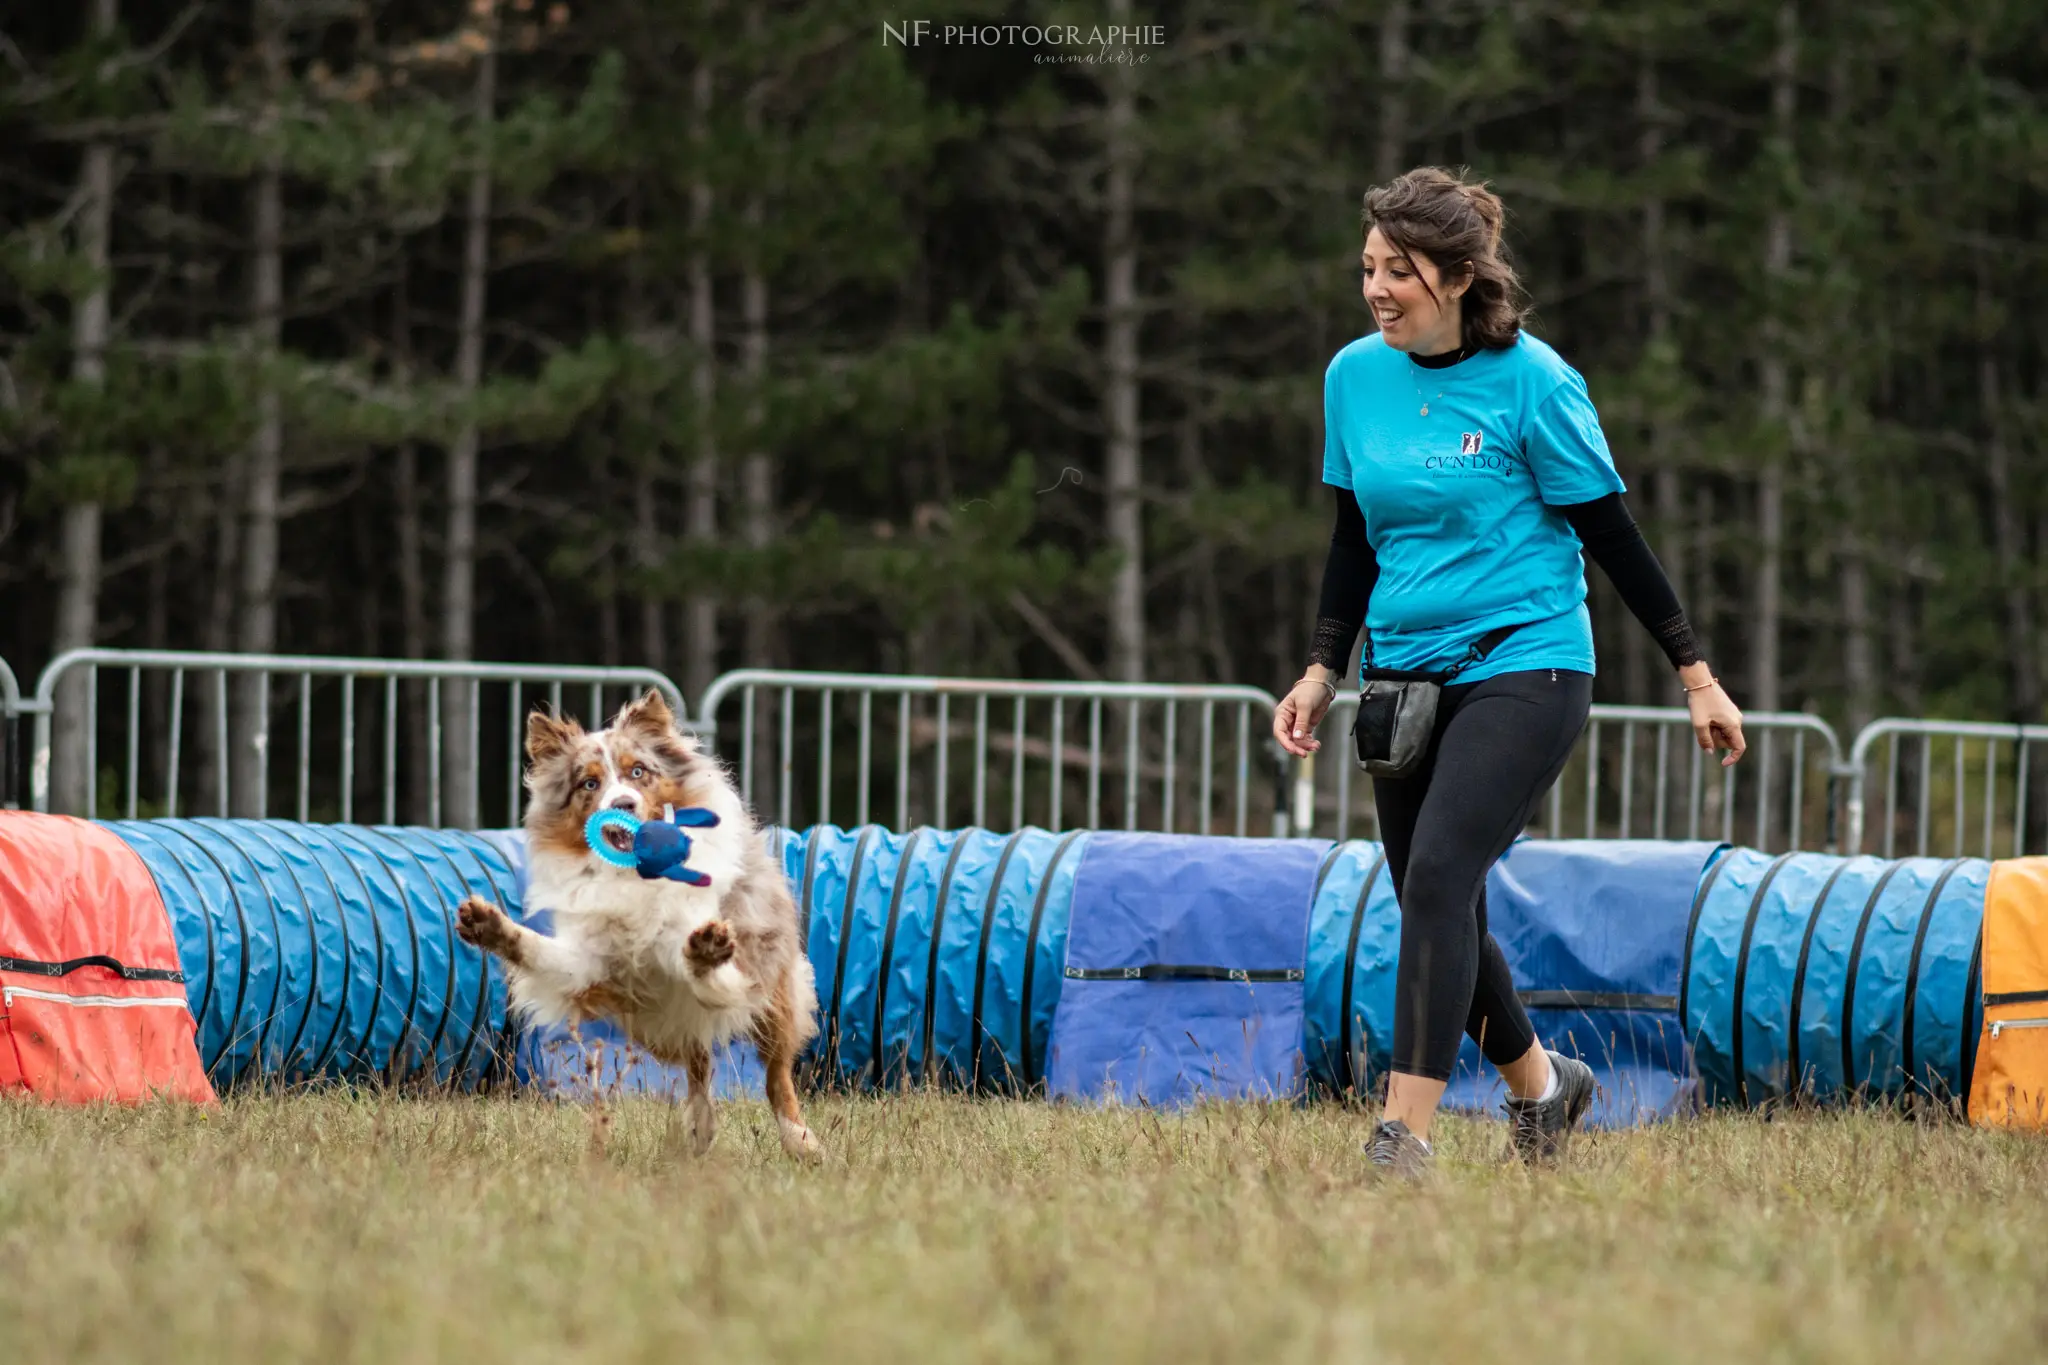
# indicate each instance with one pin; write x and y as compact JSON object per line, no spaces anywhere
{"x":1499,"y":744}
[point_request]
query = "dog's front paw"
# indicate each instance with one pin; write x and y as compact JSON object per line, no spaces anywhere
{"x":703,"y":1126}
{"x":800,"y":1142}
{"x":483,"y":925}
{"x":711,"y":947}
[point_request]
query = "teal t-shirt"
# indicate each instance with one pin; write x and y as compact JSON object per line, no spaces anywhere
{"x":1459,"y":504}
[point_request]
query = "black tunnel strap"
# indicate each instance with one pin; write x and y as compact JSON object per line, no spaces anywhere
{"x":1167,"y":971}
{"x":1598,"y":1000}
{"x":70,"y":965}
{"x":2015,"y":998}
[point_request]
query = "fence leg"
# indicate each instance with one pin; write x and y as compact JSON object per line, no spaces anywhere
{"x":1845,"y":807}
{"x":1302,"y":780}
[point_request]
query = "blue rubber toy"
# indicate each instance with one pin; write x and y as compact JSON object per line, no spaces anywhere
{"x":660,"y":848}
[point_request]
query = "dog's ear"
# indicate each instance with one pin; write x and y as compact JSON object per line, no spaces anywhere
{"x":548,"y":737}
{"x":648,"y":717}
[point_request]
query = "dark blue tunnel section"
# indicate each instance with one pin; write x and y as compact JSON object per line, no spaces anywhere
{"x":329,"y":951}
{"x":1184,"y":975}
{"x":1592,"y":931}
{"x":1835,"y":978}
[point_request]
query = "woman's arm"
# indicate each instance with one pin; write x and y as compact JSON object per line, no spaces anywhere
{"x":1614,"y":542}
{"x":1349,"y":572}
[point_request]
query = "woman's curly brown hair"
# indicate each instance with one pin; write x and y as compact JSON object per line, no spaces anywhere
{"x":1455,"y":224}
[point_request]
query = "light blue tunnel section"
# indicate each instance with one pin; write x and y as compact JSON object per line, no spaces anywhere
{"x":323,"y":952}
{"x":1835,"y":978}
{"x":1354,"y":940}
{"x":937,"y":952}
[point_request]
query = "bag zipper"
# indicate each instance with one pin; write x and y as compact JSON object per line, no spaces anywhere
{"x":8,"y":993}
{"x":1999,"y":1026}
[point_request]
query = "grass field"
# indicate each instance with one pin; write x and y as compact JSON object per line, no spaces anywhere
{"x":381,"y":1229}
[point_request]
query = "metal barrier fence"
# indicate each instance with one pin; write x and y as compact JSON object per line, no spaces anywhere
{"x":438,"y":767}
{"x":1927,"y":788}
{"x":406,"y":741}
{"x":1636,"y":773}
{"x":12,"y":709}
{"x":1162,"y":743}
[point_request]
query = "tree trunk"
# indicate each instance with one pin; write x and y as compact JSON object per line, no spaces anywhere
{"x":213,"y":748}
{"x":1767,"y":627}
{"x":412,"y":587}
{"x":78,"y":592}
{"x":1197,"y":629}
{"x":700,"y":610}
{"x":1120,"y":363}
{"x":647,"y":554}
{"x":1706,"y":601}
{"x":608,"y":626}
{"x":648,"y":541}
{"x":1859,"y":654}
{"x":256,"y":613}
{"x":156,"y":634}
{"x":1390,"y":158}
{"x":1859,"y":660}
{"x":1665,"y":489}
{"x":2007,"y":534}
{"x":458,"y":600}
{"x":1905,"y":650}
{"x":412,"y":571}
{"x":757,"y":472}
{"x":2034,"y":838}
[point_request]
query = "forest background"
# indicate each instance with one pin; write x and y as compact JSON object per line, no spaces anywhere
{"x":777,"y":334}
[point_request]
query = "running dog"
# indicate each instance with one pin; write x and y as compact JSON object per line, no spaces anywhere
{"x":680,"y":968}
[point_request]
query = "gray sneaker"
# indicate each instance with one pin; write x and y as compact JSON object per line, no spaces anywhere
{"x":1393,"y":1150}
{"x":1540,"y":1127}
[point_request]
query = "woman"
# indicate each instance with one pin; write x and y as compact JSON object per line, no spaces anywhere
{"x":1469,"y":471}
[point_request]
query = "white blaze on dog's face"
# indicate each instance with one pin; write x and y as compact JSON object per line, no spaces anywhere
{"x":639,"y":764}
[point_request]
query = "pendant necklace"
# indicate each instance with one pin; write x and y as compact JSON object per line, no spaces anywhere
{"x":1418,"y":388}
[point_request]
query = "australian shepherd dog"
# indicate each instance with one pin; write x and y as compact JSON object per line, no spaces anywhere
{"x":680,"y":968}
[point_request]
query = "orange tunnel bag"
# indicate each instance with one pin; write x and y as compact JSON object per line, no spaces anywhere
{"x":2009,"y":1087}
{"x":92,"y":995}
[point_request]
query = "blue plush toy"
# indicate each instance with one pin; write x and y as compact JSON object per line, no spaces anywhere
{"x":660,"y":848}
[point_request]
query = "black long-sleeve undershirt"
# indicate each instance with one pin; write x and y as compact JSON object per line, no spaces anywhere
{"x":1604,"y":526}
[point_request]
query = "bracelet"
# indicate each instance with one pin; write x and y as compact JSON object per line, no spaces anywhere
{"x":1711,"y":682}
{"x":1324,"y":681}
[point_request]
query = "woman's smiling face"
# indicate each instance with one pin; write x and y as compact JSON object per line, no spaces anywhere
{"x":1416,"y":310}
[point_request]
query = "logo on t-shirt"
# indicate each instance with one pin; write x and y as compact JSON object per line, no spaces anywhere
{"x":1470,"y":442}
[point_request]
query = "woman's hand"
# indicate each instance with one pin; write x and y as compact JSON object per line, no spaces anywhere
{"x":1716,"y":721}
{"x":1299,"y":712}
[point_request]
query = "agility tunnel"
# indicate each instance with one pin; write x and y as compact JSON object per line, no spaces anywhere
{"x":329,"y":951}
{"x":1593,"y":930}
{"x":1834,"y":977}
{"x":1076,"y":966}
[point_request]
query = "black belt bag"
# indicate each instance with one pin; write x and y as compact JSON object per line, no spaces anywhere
{"x":1397,"y":708}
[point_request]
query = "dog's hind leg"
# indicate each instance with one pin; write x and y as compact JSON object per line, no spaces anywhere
{"x":703,"y":1118}
{"x":776,"y":1039}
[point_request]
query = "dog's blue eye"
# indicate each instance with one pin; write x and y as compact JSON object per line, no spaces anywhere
{"x":590,"y":784}
{"x":639,"y":771}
